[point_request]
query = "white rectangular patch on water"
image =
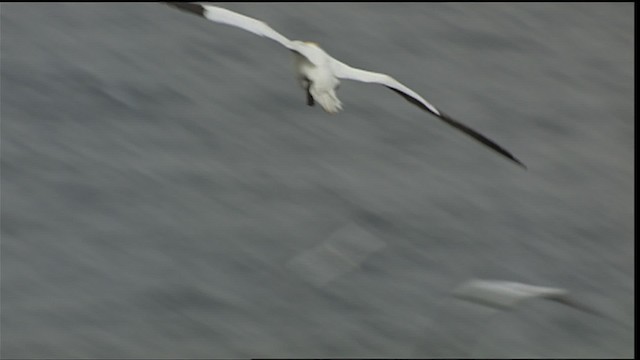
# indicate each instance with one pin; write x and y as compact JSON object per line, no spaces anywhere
{"x":343,"y":251}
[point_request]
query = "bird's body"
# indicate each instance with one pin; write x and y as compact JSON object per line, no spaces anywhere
{"x":319,"y":74}
{"x":317,"y":78}
{"x":507,"y":294}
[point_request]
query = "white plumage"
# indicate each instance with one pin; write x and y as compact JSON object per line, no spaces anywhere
{"x":507,"y":294}
{"x":319,"y":73}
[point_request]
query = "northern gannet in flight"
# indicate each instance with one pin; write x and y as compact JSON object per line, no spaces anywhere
{"x":319,"y":73}
{"x":507,"y":294}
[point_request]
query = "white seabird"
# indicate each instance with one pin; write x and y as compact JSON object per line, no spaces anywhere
{"x":507,"y":294}
{"x":319,"y":73}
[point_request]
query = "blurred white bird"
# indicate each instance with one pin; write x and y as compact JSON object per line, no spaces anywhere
{"x":507,"y":294}
{"x":319,"y":73}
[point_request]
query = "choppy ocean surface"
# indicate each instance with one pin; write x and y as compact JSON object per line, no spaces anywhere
{"x":166,"y":192}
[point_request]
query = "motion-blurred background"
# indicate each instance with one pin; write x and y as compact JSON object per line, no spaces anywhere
{"x":165,"y":188}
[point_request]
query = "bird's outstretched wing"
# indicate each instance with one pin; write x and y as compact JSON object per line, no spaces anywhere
{"x":228,"y":17}
{"x":506,"y":295}
{"x":345,"y":71}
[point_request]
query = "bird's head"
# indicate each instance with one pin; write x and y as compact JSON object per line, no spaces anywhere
{"x":312,"y":43}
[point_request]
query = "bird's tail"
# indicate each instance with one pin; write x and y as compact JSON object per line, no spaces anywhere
{"x":328,"y":100}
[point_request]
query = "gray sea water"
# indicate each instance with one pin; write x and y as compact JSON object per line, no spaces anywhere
{"x":166,"y":192}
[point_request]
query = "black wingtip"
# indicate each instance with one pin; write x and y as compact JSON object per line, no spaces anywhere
{"x":522,"y":165}
{"x":519,"y":163}
{"x":482,"y":139}
{"x":188,"y":7}
{"x":464,"y":128}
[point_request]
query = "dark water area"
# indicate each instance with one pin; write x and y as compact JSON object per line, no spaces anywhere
{"x":167,"y":193}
